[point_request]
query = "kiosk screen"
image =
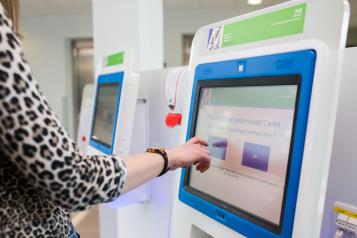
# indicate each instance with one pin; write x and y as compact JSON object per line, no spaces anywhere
{"x":105,"y":113}
{"x":248,"y":124}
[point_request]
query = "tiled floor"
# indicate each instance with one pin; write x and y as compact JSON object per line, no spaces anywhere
{"x":87,"y":223}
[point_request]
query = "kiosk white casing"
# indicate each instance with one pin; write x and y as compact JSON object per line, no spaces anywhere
{"x":127,"y":102}
{"x":324,"y":32}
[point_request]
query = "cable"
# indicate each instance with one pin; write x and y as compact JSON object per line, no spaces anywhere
{"x":178,"y":79}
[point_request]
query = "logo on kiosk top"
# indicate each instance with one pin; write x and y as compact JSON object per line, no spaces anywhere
{"x":215,"y":38}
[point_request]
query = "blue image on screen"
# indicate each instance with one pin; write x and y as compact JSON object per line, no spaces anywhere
{"x":256,"y":156}
{"x":217,"y":146}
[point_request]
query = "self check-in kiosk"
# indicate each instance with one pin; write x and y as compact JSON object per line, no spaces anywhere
{"x":254,"y":120}
{"x":128,"y":116}
{"x":264,"y":96}
{"x":118,"y":118}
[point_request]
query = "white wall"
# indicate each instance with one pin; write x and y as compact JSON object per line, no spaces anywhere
{"x":186,"y":21}
{"x":46,"y":45}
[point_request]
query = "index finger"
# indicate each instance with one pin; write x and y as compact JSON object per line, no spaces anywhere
{"x":197,"y":140}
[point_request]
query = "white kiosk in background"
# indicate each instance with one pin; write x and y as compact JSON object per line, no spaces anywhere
{"x":264,"y":95}
{"x":112,"y":128}
{"x":129,"y":116}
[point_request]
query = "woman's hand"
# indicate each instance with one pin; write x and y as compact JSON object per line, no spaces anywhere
{"x":143,"y":167}
{"x":194,"y":151}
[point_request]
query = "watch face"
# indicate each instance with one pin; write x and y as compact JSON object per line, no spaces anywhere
{"x":159,"y":150}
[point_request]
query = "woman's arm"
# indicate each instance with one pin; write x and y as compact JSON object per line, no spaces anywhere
{"x":141,"y":168}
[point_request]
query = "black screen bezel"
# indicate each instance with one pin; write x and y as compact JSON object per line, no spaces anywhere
{"x":277,"y":80}
{"x":93,"y":137}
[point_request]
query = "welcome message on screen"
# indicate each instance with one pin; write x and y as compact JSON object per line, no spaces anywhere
{"x":249,"y":133}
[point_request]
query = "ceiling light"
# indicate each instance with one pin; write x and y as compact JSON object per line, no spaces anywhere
{"x":254,"y":2}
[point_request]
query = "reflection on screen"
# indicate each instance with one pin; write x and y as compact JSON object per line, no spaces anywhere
{"x":249,"y":130}
{"x":106,"y":104}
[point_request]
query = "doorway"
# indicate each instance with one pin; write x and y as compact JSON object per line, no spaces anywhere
{"x":82,"y":52}
{"x":186,"y":48}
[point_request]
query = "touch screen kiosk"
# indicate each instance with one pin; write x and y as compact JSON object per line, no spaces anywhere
{"x":264,"y":96}
{"x":254,"y":120}
{"x":113,"y":115}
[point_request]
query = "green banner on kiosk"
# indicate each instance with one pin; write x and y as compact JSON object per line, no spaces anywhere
{"x":285,"y":22}
{"x":115,"y":59}
{"x":278,"y":96}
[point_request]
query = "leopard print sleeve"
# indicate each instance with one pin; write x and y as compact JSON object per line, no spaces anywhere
{"x":33,"y":140}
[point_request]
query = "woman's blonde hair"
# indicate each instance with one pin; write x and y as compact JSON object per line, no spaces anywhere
{"x":12,"y":8}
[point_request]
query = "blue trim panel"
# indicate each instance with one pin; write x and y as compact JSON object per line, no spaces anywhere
{"x":292,"y":63}
{"x":107,"y":79}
